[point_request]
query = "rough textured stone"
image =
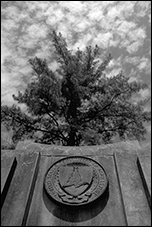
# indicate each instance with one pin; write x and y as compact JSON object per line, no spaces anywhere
{"x":7,"y":167}
{"x":135,"y":202}
{"x":109,"y":212}
{"x":123,"y":204}
{"x":144,"y":166}
{"x":14,"y":207}
{"x":122,"y":147}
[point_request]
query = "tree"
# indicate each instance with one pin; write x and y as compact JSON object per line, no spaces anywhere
{"x":77,"y":104}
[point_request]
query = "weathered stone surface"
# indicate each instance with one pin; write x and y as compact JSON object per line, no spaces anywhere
{"x":145,"y":149}
{"x":14,"y":207}
{"x":75,"y":181}
{"x":144,"y":166}
{"x":131,"y":147}
{"x":123,"y":203}
{"x":135,"y":202}
{"x":107,"y":211}
{"x":7,"y":166}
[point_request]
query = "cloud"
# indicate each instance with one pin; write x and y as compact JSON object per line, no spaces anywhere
{"x":133,"y":47}
{"x":113,"y":73}
{"x":55,"y":13}
{"x":96,"y":13}
{"x":128,"y":8}
{"x":144,"y":65}
{"x":114,"y":13}
{"x":9,"y":24}
{"x":119,"y":27}
{"x":142,"y":8}
{"x":103,"y":39}
{"x":132,"y":36}
{"x":115,"y":63}
{"x":125,"y":27}
{"x":149,"y":16}
{"x":73,"y":6}
{"x":5,"y":52}
{"x":133,"y":60}
{"x":137,"y":34}
{"x":148,"y":127}
{"x":145,"y":93}
{"x":37,"y":31}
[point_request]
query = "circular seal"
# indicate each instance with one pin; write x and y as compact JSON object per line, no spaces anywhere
{"x":75,"y":180}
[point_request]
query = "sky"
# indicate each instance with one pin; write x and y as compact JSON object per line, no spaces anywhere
{"x":122,"y":28}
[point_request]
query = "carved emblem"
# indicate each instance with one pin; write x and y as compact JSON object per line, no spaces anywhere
{"x":75,"y":180}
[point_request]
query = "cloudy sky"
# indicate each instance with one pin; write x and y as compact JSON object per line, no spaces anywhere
{"x":122,"y":28}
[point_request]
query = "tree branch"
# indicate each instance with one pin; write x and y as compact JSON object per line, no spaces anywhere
{"x":107,"y":105}
{"x":21,"y":121}
{"x":46,"y":104}
{"x":60,"y":49}
{"x":114,"y":129}
{"x":64,"y":138}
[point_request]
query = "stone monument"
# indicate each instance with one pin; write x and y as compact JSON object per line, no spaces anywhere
{"x":107,"y":185}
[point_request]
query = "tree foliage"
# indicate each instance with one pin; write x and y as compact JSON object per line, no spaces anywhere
{"x":77,"y":104}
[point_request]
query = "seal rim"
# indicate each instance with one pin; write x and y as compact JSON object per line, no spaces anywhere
{"x":73,"y":157}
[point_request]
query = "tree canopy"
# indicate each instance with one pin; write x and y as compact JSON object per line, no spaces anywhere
{"x":77,"y":104}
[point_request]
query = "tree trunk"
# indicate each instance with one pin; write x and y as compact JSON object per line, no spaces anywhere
{"x":71,"y":138}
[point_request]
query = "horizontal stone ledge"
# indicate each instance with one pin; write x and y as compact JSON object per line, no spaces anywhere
{"x":45,"y":149}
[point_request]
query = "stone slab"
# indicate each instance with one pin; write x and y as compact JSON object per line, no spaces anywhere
{"x":106,"y":212}
{"x":144,"y":166}
{"x":145,"y":149}
{"x":135,"y":202}
{"x":6,"y":166}
{"x":122,"y":147}
{"x":14,"y":207}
